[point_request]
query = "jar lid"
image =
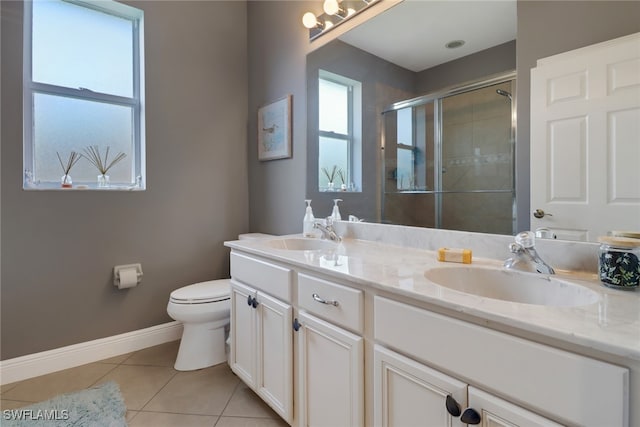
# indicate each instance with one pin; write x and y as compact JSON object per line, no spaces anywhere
{"x":625,"y":233}
{"x":621,"y":242}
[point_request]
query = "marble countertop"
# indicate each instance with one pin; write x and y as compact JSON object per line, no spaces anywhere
{"x":611,"y":324}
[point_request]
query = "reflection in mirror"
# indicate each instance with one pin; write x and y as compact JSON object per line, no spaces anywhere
{"x":339,"y":140}
{"x":449,"y":159}
{"x":396,"y":57}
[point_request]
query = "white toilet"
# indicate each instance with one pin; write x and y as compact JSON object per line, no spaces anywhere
{"x":204,"y":309}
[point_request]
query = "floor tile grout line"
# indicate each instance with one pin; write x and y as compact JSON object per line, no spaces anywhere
{"x":175,"y":373}
{"x":235,"y":389}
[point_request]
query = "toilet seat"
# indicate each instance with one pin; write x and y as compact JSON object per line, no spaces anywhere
{"x":202,"y":293}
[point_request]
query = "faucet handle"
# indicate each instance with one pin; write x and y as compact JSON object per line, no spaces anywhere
{"x":329,"y":220}
{"x":526,"y":239}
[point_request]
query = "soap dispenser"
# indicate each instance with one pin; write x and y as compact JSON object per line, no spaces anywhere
{"x":336,"y":211}
{"x":309,"y":219}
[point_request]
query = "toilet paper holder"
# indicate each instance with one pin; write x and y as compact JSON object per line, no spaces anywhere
{"x":126,"y":268}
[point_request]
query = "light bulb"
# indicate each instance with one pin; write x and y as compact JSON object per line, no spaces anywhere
{"x":331,"y":7}
{"x":309,"y":20}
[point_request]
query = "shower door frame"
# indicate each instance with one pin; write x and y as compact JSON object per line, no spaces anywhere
{"x":437,"y":97}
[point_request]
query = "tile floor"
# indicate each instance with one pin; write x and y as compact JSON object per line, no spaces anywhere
{"x":155,"y":394}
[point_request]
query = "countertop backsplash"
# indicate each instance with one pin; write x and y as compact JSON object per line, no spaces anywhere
{"x":560,"y":254}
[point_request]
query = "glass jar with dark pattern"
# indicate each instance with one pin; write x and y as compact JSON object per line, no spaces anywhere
{"x":619,"y":262}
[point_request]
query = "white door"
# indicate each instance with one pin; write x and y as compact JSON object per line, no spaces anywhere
{"x":585,"y":140}
{"x":275,"y":355}
{"x":495,"y":412}
{"x":331,"y":375}
{"x":243,"y":333}
{"x":409,"y":394}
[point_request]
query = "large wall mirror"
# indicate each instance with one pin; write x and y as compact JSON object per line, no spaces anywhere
{"x":411,"y":117}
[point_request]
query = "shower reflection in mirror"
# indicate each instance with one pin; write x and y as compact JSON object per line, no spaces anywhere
{"x":448,"y":159}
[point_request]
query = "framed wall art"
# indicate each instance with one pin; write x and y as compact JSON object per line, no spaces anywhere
{"x":274,"y":130}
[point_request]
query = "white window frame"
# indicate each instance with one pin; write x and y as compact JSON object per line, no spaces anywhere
{"x":136,"y":102}
{"x":354,"y":126}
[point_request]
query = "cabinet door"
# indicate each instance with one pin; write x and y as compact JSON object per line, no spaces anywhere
{"x":275,"y":355}
{"x":243,"y":334}
{"x":409,"y":394}
{"x":495,"y":412}
{"x":331,"y":370}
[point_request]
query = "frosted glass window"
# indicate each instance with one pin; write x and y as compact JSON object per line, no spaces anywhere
{"x":83,"y":87}
{"x":67,"y":124}
{"x":78,"y":47}
{"x":339,"y":130}
{"x":334,"y":107}
{"x":333,"y":151}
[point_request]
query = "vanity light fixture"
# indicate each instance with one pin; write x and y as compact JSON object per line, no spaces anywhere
{"x":310,"y":21}
{"x":335,"y":12}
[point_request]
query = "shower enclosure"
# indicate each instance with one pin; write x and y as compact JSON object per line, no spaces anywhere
{"x":448,"y":159}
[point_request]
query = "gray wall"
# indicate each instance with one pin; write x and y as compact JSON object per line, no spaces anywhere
{"x":59,"y":248}
{"x":546,"y":28}
{"x":496,"y":59}
{"x":277,"y":49}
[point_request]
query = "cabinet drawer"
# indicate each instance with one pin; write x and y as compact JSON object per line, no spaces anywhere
{"x":573,"y":388}
{"x":270,"y":278}
{"x":348,"y":312}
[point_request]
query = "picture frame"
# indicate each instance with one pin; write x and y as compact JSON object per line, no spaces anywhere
{"x":274,"y":130}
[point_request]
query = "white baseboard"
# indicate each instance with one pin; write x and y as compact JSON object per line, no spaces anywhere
{"x":33,"y":365}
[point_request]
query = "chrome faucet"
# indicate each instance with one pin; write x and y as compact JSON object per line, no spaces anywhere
{"x":525,"y":256}
{"x":328,"y":232}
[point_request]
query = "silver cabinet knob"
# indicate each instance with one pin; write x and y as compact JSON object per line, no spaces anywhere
{"x":539,"y":213}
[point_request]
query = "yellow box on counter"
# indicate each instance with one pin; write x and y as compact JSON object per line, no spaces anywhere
{"x":454,"y":255}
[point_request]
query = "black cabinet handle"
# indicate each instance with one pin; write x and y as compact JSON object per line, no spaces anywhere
{"x":470,"y":416}
{"x":249,"y":299}
{"x":296,"y":325}
{"x":254,"y":303}
{"x":452,"y":406}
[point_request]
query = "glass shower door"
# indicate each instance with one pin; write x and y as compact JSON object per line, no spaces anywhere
{"x":476,"y":161}
{"x":449,"y":161}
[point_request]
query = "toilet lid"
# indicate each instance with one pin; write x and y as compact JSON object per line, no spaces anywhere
{"x":203,"y":292}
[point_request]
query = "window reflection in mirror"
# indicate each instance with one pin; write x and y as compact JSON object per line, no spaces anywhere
{"x":339,"y":136}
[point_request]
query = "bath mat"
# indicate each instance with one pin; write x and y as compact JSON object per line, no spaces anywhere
{"x":99,"y":406}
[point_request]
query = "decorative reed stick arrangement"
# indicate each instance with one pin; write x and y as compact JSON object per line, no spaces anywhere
{"x":66,"y":167}
{"x":92,"y":153}
{"x":342,"y":176}
{"x":330,"y":175}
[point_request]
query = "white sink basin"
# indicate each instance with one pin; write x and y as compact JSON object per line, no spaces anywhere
{"x":514,"y":286}
{"x":301,"y":244}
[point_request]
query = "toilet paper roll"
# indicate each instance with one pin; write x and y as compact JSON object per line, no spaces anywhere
{"x":128,"y":278}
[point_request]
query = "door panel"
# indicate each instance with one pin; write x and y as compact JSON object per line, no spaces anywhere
{"x":331,"y":375}
{"x":585,"y":140}
{"x":409,"y":394}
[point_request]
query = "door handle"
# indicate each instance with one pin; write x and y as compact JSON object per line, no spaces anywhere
{"x":539,"y":213}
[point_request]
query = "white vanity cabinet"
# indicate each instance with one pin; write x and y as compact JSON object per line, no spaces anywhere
{"x":261,"y":352}
{"x":537,"y":379}
{"x":330,"y":358}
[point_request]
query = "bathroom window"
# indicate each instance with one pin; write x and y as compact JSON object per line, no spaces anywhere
{"x":84,"y":94}
{"x":340,"y":142}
